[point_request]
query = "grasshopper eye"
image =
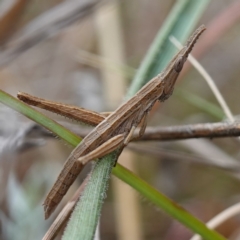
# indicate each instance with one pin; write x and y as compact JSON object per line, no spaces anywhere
{"x":179,"y":64}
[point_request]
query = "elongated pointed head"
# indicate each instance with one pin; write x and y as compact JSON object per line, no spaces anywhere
{"x":175,"y":66}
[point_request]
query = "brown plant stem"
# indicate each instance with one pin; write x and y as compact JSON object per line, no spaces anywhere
{"x":201,"y":130}
{"x":204,"y":130}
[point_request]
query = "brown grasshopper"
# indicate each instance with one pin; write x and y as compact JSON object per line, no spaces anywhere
{"x":116,"y":130}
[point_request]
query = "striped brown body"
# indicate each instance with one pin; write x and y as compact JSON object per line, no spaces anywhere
{"x":108,"y":128}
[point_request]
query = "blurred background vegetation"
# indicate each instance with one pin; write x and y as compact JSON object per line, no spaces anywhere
{"x":71,"y":61}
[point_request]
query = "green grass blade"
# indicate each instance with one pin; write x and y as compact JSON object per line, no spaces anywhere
{"x":181,"y":21}
{"x":39,"y":118}
{"x":87,"y":212}
{"x":166,"y":204}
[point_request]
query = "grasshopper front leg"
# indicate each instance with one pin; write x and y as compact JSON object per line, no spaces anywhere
{"x":107,"y":147}
{"x":143,"y":126}
{"x":129,"y":136}
{"x":115,"y":142}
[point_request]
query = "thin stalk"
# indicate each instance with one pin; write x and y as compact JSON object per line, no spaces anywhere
{"x":209,"y":81}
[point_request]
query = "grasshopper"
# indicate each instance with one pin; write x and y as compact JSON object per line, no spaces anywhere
{"x":116,"y":130}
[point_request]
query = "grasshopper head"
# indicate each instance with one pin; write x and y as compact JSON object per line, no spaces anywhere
{"x":175,"y":66}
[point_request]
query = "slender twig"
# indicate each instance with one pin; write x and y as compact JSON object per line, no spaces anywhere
{"x":206,"y":130}
{"x":209,"y":130}
{"x":203,"y":130}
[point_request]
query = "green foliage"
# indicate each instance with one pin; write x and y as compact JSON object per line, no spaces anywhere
{"x":87,"y":212}
{"x":181,"y":21}
{"x":39,"y":118}
{"x":166,"y":204}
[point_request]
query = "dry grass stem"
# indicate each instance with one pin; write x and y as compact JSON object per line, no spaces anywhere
{"x":209,"y":81}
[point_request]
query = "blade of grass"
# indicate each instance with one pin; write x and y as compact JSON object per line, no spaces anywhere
{"x":180,"y":23}
{"x":165,"y":203}
{"x":88,"y":212}
{"x":40,"y":118}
